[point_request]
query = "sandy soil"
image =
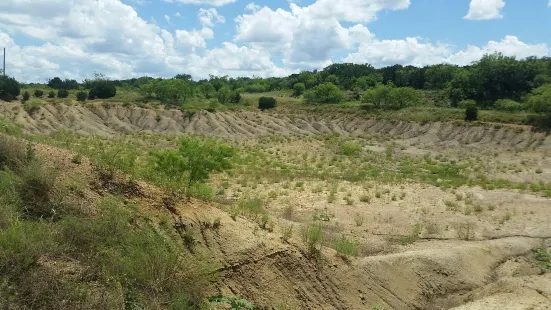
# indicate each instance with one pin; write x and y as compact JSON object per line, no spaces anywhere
{"x":472,"y":248}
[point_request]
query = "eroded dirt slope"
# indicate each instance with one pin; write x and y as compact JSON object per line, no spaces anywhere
{"x":111,"y":120}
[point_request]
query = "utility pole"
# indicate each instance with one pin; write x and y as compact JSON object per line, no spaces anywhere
{"x":4,"y":67}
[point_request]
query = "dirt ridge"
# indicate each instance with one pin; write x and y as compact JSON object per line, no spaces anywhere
{"x":111,"y":120}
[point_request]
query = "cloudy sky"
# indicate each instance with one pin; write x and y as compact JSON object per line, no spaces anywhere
{"x":130,"y":38}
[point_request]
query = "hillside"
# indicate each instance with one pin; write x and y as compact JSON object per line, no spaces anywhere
{"x":435,"y":215}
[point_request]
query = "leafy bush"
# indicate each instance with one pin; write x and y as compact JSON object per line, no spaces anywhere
{"x":298,"y":89}
{"x":82,"y":96}
{"x":324,"y":93}
{"x":102,"y":90}
{"x":38,"y":93}
{"x":172,"y":91}
{"x":51,"y":94}
{"x":265,"y":103}
{"x":62,"y":93}
{"x":9,"y":88}
{"x":539,"y":100}
{"x":508,"y":105}
{"x":312,"y":234}
{"x":26,"y":96}
{"x":191,"y":163}
{"x":224,"y":95}
{"x":207,"y":90}
{"x":392,"y":98}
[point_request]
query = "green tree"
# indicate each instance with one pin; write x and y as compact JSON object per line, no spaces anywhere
{"x":403,"y":97}
{"x":299,"y":89}
{"x":224,"y":95}
{"x":390,"y":97}
{"x":218,"y":82}
{"x":324,"y":93}
{"x":102,"y":89}
{"x":379,"y":96}
{"x":191,"y":163}
{"x":439,"y":76}
{"x":368,"y":81}
{"x":9,"y":88}
{"x":207,"y":90}
{"x":333,"y":79}
{"x":172,"y":91}
{"x":55,"y":83}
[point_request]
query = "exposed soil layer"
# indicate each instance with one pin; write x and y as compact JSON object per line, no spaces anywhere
{"x":108,"y":120}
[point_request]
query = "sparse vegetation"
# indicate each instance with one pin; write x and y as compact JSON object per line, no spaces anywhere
{"x":106,"y":227}
{"x":346,"y":248}
{"x":359,"y":219}
{"x":312,"y":235}
{"x":543,"y":258}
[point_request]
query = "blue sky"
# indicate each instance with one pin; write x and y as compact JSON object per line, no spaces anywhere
{"x":128,"y":38}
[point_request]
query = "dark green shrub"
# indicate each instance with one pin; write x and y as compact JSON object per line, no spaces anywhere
{"x":82,"y":96}
{"x":26,"y":96}
{"x":102,"y":90}
{"x":62,"y":93}
{"x":51,"y":94}
{"x":9,"y":88}
{"x":471,"y":113}
{"x":38,"y":93}
{"x":265,"y":103}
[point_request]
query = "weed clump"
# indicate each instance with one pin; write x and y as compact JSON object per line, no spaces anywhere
{"x":312,"y":235}
{"x":346,"y":248}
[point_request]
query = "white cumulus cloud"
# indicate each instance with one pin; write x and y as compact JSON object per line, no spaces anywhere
{"x":417,"y":52}
{"x":485,"y":9}
{"x":209,"y":17}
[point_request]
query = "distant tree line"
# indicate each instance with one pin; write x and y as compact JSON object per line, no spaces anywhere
{"x":494,"y":81}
